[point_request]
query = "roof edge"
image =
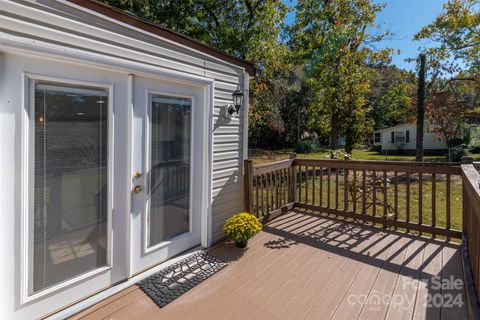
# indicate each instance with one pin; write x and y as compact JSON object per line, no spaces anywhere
{"x":164,"y":32}
{"x":398,"y":125}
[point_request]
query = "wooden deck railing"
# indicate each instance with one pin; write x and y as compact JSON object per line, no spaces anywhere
{"x":471,"y":218}
{"x":269,"y":188}
{"x":411,"y":196}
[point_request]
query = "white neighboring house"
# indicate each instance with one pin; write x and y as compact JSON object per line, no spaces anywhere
{"x":117,"y":153}
{"x":403,"y":137}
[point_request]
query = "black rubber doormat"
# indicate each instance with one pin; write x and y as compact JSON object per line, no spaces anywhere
{"x":170,"y":283}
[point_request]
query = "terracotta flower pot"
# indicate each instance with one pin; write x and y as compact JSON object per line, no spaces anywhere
{"x":241,"y":244}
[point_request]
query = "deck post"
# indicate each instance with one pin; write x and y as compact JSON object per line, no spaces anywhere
{"x":292,"y":180}
{"x":247,"y":185}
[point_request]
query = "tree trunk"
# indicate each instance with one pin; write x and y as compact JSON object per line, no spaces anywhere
{"x":349,"y":140}
{"x":449,"y":149}
{"x":420,"y":109}
{"x":298,"y":124}
{"x":334,"y":132}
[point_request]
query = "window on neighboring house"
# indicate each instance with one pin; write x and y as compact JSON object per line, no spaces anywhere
{"x":399,"y":137}
{"x":407,"y":136}
{"x":377,"y":137}
{"x":392,"y":137}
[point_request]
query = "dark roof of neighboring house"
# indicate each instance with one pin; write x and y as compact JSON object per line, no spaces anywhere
{"x":145,"y":25}
{"x":398,"y":125}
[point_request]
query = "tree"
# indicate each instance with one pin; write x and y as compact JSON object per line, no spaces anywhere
{"x":420,"y":109}
{"x":390,"y":98}
{"x":248,"y":29}
{"x":331,"y":38}
{"x":457,"y":32}
{"x":446,"y":118}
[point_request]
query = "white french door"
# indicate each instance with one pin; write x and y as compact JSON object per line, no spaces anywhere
{"x":72,"y":246}
{"x":167,"y":159}
{"x":83,"y":228}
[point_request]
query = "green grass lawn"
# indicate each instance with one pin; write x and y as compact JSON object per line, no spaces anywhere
{"x":270,"y":156}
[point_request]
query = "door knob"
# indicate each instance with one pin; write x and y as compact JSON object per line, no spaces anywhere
{"x":137,"y":189}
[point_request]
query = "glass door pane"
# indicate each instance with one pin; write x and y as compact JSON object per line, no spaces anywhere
{"x":70,"y":182}
{"x":169,"y":176}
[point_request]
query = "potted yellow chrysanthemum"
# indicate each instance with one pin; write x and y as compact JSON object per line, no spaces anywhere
{"x":240,"y":227}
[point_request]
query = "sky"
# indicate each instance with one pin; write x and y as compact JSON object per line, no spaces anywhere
{"x":403,"y":18}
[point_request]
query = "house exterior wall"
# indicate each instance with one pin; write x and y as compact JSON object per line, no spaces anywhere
{"x":430,"y":139}
{"x":59,"y":25}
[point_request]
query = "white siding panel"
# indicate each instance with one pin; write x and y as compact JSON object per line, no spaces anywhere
{"x":226,"y":189}
{"x":219,"y":102}
{"x":228,"y":129}
{"x":225,"y":86}
{"x":226,"y":138}
{"x":220,"y":120}
{"x":227,"y":198}
{"x":220,"y":174}
{"x":223,"y":156}
{"x":223,"y":95}
{"x":223,"y":77}
{"x":222,"y":147}
{"x":228,"y":208}
{"x":231,"y":180}
{"x":225,"y":164}
{"x":227,"y":69}
{"x":220,"y":105}
{"x":227,"y":211}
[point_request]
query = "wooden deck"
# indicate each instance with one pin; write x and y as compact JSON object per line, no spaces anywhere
{"x":303,"y":266}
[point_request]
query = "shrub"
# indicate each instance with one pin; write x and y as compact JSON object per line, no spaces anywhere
{"x":307,"y":146}
{"x":474,"y":149}
{"x":457,"y":142}
{"x":335,"y":154}
{"x":458,"y":152}
{"x":242,"y":226}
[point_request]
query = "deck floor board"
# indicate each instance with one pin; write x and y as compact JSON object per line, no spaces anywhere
{"x":306,"y":266}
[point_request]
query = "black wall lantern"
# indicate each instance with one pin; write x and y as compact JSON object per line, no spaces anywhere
{"x":237,"y":102}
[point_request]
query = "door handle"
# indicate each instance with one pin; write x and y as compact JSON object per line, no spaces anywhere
{"x":137,"y":189}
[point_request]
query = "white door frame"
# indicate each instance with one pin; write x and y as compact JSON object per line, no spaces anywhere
{"x":143,"y":257}
{"x":28,"y":80}
{"x":208,"y":87}
{"x":25,"y":47}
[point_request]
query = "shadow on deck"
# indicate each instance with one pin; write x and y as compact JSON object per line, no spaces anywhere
{"x":306,"y":266}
